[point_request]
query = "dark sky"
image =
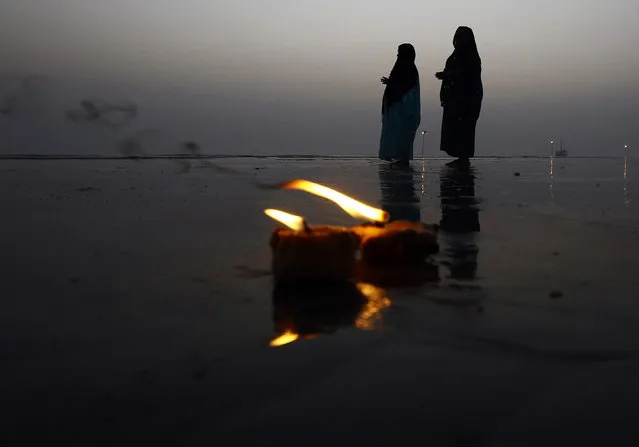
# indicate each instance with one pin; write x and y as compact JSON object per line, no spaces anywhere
{"x":302,"y":77}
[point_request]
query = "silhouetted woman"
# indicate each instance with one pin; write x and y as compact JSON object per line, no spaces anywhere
{"x":401,"y":108}
{"x":461,"y":96}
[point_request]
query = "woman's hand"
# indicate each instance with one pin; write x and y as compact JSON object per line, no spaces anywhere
{"x":440,"y":75}
{"x":384,"y":80}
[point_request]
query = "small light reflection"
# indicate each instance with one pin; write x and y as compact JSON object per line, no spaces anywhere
{"x":377,"y":302}
{"x":551,"y":174}
{"x":284,"y":339}
{"x":626,"y":193}
{"x":423,"y":177}
{"x":625,"y":168}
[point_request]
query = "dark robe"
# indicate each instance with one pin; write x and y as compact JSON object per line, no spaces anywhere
{"x":461,"y":96}
{"x":403,"y":77}
{"x":401,"y":108}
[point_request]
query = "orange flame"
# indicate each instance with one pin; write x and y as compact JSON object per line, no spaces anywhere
{"x":295,"y":223}
{"x":353,"y":207}
{"x":284,"y":339}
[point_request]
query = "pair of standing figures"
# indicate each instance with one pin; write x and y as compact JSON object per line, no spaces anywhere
{"x":461,"y":96}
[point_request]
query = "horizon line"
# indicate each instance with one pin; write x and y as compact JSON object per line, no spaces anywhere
{"x":290,"y":156}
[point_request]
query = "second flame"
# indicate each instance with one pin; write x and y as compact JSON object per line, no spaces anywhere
{"x":353,"y":207}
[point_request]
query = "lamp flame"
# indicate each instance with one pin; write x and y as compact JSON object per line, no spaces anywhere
{"x":295,"y":223}
{"x":353,"y":207}
{"x":284,"y":339}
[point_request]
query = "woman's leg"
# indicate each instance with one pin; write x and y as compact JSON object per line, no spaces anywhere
{"x":447,"y":133}
{"x":458,"y":138}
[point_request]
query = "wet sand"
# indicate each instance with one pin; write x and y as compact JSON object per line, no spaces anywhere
{"x":137,"y":308}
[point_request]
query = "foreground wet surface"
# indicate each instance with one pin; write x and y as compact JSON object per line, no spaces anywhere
{"x":137,"y":306}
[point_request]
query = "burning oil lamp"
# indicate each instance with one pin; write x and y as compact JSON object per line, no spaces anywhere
{"x":397,"y":253}
{"x":301,"y":252}
{"x":397,"y":243}
{"x":382,"y":242}
{"x":304,"y":253}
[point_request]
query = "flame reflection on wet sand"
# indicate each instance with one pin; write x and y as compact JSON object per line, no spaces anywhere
{"x":304,"y":314}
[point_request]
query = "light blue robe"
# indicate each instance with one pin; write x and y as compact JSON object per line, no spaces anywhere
{"x":399,"y":126}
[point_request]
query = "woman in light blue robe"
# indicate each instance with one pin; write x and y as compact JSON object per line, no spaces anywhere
{"x":401,"y":108}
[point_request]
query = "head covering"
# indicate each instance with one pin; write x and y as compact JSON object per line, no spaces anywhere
{"x":466,"y":46}
{"x":403,"y":77}
{"x":463,"y":83}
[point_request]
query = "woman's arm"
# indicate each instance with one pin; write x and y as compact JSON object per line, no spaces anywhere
{"x":441,"y":75}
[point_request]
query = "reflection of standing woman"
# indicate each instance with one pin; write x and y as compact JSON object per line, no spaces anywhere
{"x":401,"y":108}
{"x":461,"y":96}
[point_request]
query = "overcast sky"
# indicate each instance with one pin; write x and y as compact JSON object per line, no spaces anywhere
{"x":302,"y":76}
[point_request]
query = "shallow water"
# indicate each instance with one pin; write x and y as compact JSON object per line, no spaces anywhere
{"x":138,"y":293}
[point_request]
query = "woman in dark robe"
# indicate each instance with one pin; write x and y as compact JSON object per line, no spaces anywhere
{"x":461,"y":96}
{"x":401,"y":108}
